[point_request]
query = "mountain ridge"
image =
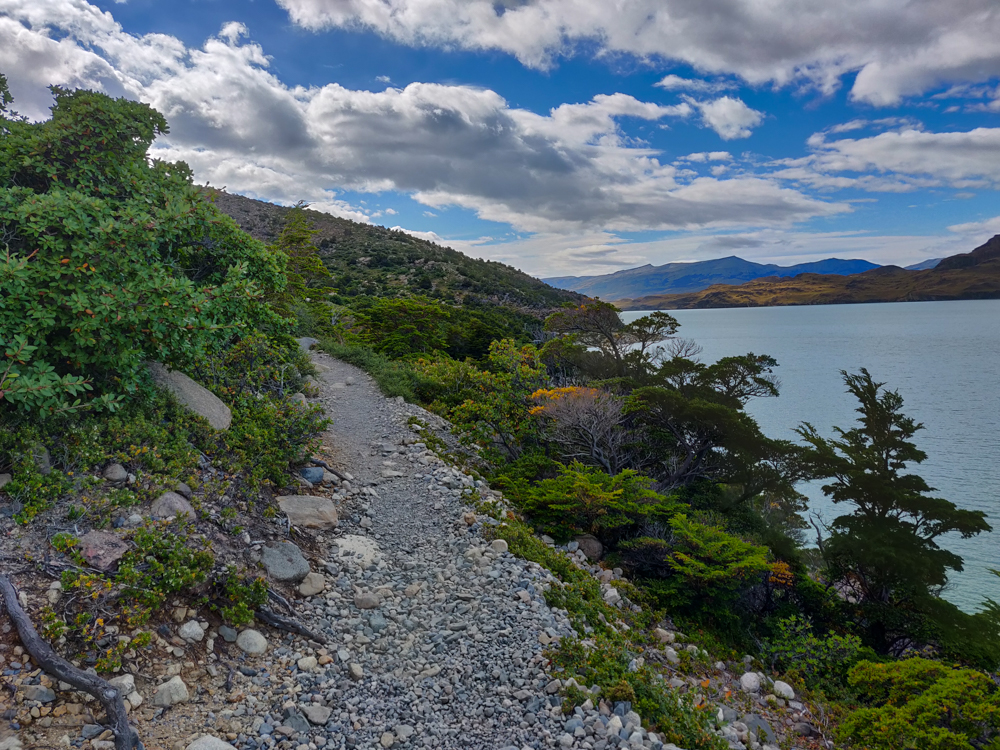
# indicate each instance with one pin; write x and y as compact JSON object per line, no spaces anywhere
{"x":972,"y":275}
{"x":676,"y":278}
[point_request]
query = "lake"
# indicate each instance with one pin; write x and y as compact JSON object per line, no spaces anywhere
{"x":943,"y":358}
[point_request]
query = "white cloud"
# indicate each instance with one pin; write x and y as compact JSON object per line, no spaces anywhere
{"x":239,"y":126}
{"x":676,"y":83}
{"x":896,"y":48}
{"x":914,"y":157}
{"x":730,"y":117}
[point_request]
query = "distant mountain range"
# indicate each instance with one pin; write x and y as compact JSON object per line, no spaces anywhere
{"x":973,"y":275}
{"x":677,"y":278}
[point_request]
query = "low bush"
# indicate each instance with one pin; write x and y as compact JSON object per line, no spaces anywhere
{"x":819,"y":662}
{"x":918,"y":704}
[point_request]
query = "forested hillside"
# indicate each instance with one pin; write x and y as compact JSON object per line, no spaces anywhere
{"x":365,"y":259}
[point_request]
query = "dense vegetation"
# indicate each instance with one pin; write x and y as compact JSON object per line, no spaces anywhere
{"x":588,"y":425}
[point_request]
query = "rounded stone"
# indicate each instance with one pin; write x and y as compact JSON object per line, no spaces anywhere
{"x":171,"y":504}
{"x":252,"y":642}
{"x":115,"y":473}
{"x":783,"y":690}
{"x":284,"y":562}
{"x":750,"y":682}
{"x":208,"y":742}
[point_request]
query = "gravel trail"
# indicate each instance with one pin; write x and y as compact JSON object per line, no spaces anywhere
{"x":436,"y":637}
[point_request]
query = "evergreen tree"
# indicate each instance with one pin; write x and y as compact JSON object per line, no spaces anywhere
{"x":886,"y":552}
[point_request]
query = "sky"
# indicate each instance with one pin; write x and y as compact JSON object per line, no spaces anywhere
{"x":565,"y":137}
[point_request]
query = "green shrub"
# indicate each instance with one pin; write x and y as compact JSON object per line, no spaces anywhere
{"x":266,"y":437}
{"x":919,"y":704}
{"x":254,"y":365}
{"x":585,"y":499}
{"x":819,"y":662}
{"x":238,"y":596}
{"x":701,"y":570}
{"x":111,"y":258}
{"x":164,"y":561}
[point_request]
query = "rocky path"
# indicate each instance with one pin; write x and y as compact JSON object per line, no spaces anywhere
{"x":436,"y":637}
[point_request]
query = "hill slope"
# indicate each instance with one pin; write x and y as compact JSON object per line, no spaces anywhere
{"x":372,"y":260}
{"x":974,"y":275}
{"x":677,"y":278}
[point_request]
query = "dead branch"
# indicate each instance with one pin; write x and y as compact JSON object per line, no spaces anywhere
{"x":51,"y":663}
{"x":283,"y":623}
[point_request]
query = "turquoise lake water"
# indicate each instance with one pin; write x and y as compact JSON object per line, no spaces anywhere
{"x":943,"y":358}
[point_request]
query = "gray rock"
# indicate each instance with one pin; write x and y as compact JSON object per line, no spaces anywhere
{"x":298,"y":398}
{"x":367,"y":601}
{"x":318,"y":715}
{"x":760,"y":727}
{"x":499,"y":546}
{"x":183,"y":490}
{"x":306,"y":343}
{"x":171,"y":693}
{"x":591,"y":546}
{"x":312,"y":584}
{"x":297,"y":721}
{"x":115,"y":473}
{"x":750,"y":682}
{"x":804,"y":729}
{"x":284,"y":562}
{"x":89,"y":731}
{"x":192,"y":395}
{"x":102,"y":549}
{"x":783,"y":690}
{"x":228,"y":634}
{"x":191,"y":631}
{"x":312,"y":474}
{"x":171,"y":504}
{"x":125,"y":683}
{"x":251,"y":642}
{"x":306,"y":511}
{"x":208,"y":742}
{"x":356,"y":672}
{"x":4,"y":479}
{"x":39,"y":693}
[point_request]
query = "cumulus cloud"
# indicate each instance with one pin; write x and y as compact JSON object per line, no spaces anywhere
{"x":239,"y":126}
{"x":900,"y":160}
{"x":728,"y":116}
{"x":896,"y":48}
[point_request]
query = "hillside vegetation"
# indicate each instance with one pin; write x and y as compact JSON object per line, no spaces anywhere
{"x":974,"y":275}
{"x":364,"y":259}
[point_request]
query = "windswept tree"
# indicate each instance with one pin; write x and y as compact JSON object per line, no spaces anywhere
{"x":631,"y":347}
{"x":887,"y":550}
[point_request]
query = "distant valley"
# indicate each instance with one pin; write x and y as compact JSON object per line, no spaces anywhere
{"x":973,"y":275}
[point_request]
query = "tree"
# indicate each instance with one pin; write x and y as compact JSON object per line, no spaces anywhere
{"x":630,"y":346}
{"x":886,"y":552}
{"x":400,"y":327}
{"x":109,"y":259}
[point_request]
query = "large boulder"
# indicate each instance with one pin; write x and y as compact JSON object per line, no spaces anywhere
{"x":102,"y":549}
{"x":284,"y":562}
{"x":171,"y":504}
{"x":591,"y":546}
{"x":306,"y":511}
{"x":195,"y":397}
{"x":306,"y":343}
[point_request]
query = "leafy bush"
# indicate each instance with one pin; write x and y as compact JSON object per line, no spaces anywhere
{"x":585,"y":499}
{"x":266,"y":437}
{"x":698,"y":569}
{"x":111,"y":259}
{"x":401,"y":327}
{"x":254,"y":365}
{"x":923,"y":705}
{"x":821,"y":662}
{"x":239,"y":596}
{"x":164,"y":561}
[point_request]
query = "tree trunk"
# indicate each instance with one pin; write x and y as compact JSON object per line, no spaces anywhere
{"x":51,"y":663}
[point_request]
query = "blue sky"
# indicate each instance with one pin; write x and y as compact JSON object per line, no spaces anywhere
{"x":566,"y":136}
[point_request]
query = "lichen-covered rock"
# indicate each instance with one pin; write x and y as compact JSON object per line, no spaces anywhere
{"x":195,"y":397}
{"x":171,"y":692}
